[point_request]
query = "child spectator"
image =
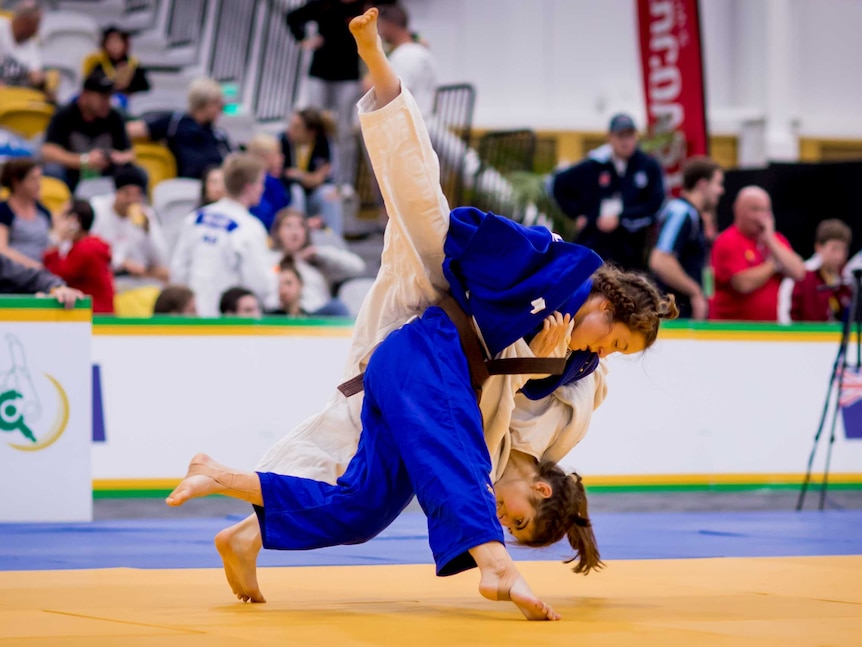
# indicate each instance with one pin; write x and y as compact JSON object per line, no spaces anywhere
{"x":821,"y":295}
{"x":82,"y":260}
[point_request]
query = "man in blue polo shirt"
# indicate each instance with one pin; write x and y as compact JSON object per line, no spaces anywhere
{"x":614,"y":195}
{"x":680,"y":254}
{"x":192,"y":137}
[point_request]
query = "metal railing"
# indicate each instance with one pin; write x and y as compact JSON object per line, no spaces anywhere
{"x":185,"y":22}
{"x":234,"y":37}
{"x":279,"y":64}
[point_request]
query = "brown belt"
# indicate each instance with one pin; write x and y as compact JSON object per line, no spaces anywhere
{"x":480,"y":367}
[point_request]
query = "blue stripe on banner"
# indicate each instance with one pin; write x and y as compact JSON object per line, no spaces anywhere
{"x":98,"y":409}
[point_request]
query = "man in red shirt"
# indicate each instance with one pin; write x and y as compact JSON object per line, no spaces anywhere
{"x":82,"y":260}
{"x":749,"y":259}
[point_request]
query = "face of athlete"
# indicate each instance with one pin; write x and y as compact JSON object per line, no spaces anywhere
{"x":516,"y":505}
{"x":598,"y":333}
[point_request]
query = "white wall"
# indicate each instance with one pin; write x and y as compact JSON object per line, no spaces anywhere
{"x":688,"y":406}
{"x":570,"y":64}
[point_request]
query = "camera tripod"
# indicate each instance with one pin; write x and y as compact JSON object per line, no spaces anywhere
{"x":839,"y":369}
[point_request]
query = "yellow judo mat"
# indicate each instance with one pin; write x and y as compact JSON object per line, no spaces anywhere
{"x":729,"y":601}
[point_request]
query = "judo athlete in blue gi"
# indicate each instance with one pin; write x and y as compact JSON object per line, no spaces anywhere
{"x":422,"y":430}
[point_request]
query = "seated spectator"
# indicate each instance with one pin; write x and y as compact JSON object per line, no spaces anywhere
{"x":275,"y":195}
{"x":222,"y":244}
{"x":16,"y":278}
{"x":175,"y":300}
{"x":212,"y":185}
{"x":308,"y":169}
{"x":87,"y":137}
{"x":131,"y":229}
{"x":83,"y":260}
{"x":20,"y":54}
{"x":748,"y":260}
{"x":823,"y":295}
{"x":289,"y":290}
{"x":679,"y":256}
{"x":239,"y":302}
{"x":24,"y":221}
{"x":115,"y":62}
{"x":192,"y":137}
{"x":322,"y":267}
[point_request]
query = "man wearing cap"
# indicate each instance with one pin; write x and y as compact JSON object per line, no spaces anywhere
{"x":614,"y":195}
{"x":87,"y":135}
{"x":132,"y":230}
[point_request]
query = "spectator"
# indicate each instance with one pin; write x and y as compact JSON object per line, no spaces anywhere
{"x":240,"y":302}
{"x":289,"y":290}
{"x":613,"y":196}
{"x":86,"y":137}
{"x":115,"y":62}
{"x":222,"y":244}
{"x":748,"y":260}
{"x":212,"y":185}
{"x":333,"y":78}
{"x":822,"y":295}
{"x":175,"y":300}
{"x":680,"y":254}
{"x":20,"y":54}
{"x":412,"y":61}
{"x":83,"y":260}
{"x":322,"y":267}
{"x":192,"y":137}
{"x":24,"y":221}
{"x":307,"y":168}
{"x":131,"y":229}
{"x":16,"y":278}
{"x":275,"y":195}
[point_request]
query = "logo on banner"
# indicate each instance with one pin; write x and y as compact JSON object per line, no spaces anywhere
{"x":34,"y":411}
{"x":850,"y":401}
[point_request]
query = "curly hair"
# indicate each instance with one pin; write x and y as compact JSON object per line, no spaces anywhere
{"x":635,"y":300}
{"x":565,"y":514}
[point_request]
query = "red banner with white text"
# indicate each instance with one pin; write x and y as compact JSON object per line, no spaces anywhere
{"x":672,"y":65}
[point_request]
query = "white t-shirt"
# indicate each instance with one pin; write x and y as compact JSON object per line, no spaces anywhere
{"x":27,"y":55}
{"x":128,"y":240}
{"x":415,"y":65}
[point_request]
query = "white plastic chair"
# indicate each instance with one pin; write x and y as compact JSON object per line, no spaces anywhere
{"x":352,"y":293}
{"x":173,"y":200}
{"x":67,"y":37}
{"x":91,"y":187}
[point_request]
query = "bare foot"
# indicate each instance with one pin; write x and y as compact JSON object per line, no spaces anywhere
{"x":364,"y":30}
{"x":200,"y":481}
{"x":239,"y":546}
{"x":509,"y":585}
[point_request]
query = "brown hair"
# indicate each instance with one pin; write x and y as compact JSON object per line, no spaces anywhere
{"x":565,"y":514}
{"x":697,"y":168}
{"x":283,"y":214}
{"x":317,"y":121}
{"x":240,"y":170}
{"x":15,"y":170}
{"x":833,"y":229}
{"x":173,"y":300}
{"x":288,"y":264}
{"x":635,"y":300}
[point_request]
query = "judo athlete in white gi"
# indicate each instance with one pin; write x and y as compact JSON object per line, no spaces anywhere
{"x":420,"y":420}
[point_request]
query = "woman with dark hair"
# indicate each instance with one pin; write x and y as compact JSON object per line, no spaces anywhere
{"x":83,"y":260}
{"x":117,"y":64}
{"x":212,"y":185}
{"x":522,"y":294}
{"x":24,"y":221}
{"x":308,"y":169}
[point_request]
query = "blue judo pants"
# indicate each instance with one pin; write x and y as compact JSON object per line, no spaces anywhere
{"x":421,"y":434}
